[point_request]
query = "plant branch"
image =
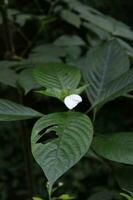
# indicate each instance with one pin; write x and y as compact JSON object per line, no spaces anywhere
{"x":8,"y":37}
{"x":25,"y":136}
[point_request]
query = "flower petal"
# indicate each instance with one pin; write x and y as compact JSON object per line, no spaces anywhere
{"x":72,"y":101}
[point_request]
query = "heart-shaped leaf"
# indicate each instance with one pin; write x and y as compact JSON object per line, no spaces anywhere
{"x":59,"y":140}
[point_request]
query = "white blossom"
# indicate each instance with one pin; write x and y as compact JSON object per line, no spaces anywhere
{"x":72,"y":101}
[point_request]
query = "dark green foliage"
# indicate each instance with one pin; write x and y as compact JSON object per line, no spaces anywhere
{"x":56,"y":49}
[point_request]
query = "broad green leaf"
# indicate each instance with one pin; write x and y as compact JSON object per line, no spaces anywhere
{"x":26,"y":81}
{"x":59,"y":76}
{"x":116,"y":88}
{"x":71,"y":18}
{"x":48,"y":49}
{"x":65,"y":138}
{"x":8,"y":77}
{"x":103,"y":35}
{"x":10,"y":111}
{"x":116,"y":147}
{"x":66,"y":40}
{"x":106,"y":69}
{"x":109,"y":24}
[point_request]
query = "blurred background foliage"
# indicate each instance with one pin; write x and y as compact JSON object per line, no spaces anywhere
{"x":39,"y":31}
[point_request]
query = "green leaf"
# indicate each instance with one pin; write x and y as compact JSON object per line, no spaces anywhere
{"x":64,"y":197}
{"x":126,"y":196}
{"x":52,"y":92}
{"x":10,"y":111}
{"x":124,"y":177}
{"x":48,"y":50}
{"x":65,"y":138}
{"x":106,"y":69}
{"x":107,"y":23}
{"x":59,"y":76}
{"x":71,"y":18}
{"x":26,"y":81}
{"x":116,"y":88}
{"x":37,"y":198}
{"x":61,"y":94}
{"x":126,"y":46}
{"x":8,"y":77}
{"x":103,"y":35}
{"x":66,"y":40}
{"x":116,"y":147}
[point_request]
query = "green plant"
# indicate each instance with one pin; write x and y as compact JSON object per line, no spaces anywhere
{"x":96,"y":64}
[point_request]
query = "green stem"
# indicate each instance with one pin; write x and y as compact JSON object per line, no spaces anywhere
{"x":49,"y":189}
{"x":128,"y":96}
{"x":94,"y":115}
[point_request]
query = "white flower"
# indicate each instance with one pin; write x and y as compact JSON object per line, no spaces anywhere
{"x":72,"y":101}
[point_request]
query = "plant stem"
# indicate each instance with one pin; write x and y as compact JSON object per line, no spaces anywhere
{"x":94,"y":115}
{"x":25,"y":136}
{"x":28,"y":160}
{"x":49,"y":189}
{"x":8,"y":37}
{"x":31,"y":43}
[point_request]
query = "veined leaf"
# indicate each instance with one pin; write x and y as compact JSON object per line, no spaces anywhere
{"x":65,"y":138}
{"x":106,"y":69}
{"x":116,"y":147}
{"x":10,"y":111}
{"x":116,"y":88}
{"x":59,"y":76}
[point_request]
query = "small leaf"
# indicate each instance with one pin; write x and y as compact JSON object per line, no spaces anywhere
{"x":26,"y":81}
{"x":61,"y":94}
{"x":52,"y":92}
{"x":71,"y":18}
{"x":64,"y":197}
{"x":59,"y":76}
{"x":37,"y":198}
{"x":10,"y":111}
{"x":56,"y":155}
{"x":66,"y":40}
{"x":116,"y":147}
